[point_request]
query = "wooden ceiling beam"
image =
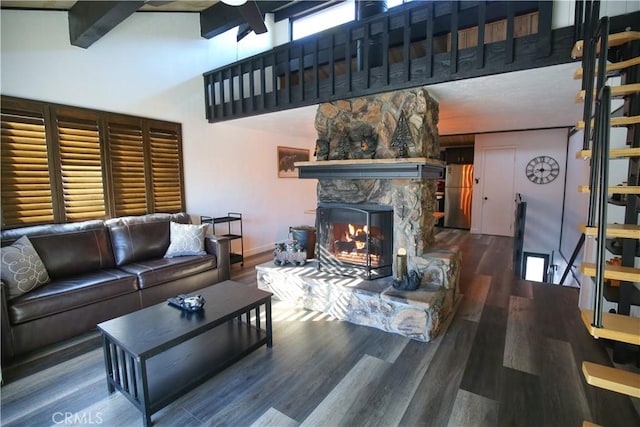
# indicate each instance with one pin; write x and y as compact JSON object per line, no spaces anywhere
{"x":90,"y":20}
{"x":221,"y":17}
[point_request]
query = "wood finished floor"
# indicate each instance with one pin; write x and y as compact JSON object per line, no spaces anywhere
{"x":510,"y":357}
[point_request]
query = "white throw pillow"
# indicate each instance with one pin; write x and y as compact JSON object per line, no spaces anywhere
{"x":186,"y":239}
{"x":21,"y":268}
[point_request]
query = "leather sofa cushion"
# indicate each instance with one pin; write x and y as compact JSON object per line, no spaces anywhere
{"x":144,"y":237}
{"x":139,"y":242}
{"x":74,"y":253}
{"x":68,"y":249}
{"x":156,"y":271}
{"x":73,"y":292}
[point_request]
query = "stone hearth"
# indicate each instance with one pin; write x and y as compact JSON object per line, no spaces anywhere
{"x":419,"y":314}
{"x":368,"y":129}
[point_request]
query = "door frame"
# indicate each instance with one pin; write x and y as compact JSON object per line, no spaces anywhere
{"x":480,"y":161}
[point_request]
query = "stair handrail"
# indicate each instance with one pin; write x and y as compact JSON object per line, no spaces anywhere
{"x":601,"y":145}
{"x":602,"y":126}
{"x":588,"y":65}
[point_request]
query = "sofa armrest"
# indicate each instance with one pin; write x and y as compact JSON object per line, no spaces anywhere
{"x":220,"y":247}
{"x":5,"y":339}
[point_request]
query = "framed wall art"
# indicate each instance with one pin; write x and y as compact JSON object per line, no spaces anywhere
{"x":287,"y":156}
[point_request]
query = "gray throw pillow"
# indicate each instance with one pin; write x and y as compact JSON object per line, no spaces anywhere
{"x":21,"y":268}
{"x":186,"y":239}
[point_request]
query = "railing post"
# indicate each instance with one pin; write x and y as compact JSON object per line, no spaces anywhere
{"x":252,"y":87}
{"x":429,"y":40}
{"x":208,"y":97}
{"x":274,"y":78}
{"x":406,"y":46}
{"x":316,"y":77}
{"x":545,"y":15}
{"x":510,"y":33}
{"x":348,"y":54}
{"x":332,"y":67}
{"x":453,"y":65}
{"x":385,"y":50}
{"x":482,"y":17}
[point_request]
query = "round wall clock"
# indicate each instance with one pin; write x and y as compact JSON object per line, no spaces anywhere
{"x":542,"y":169}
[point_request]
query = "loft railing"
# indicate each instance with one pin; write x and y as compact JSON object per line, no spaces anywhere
{"x":415,"y":44}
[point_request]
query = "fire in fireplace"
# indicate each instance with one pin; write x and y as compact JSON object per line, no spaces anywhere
{"x":355,"y":239}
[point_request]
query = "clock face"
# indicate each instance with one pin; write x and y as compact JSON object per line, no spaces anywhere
{"x":542,"y":169}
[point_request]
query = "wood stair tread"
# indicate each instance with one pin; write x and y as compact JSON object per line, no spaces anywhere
{"x":615,"y":272}
{"x":614,"y":66}
{"x":620,"y":90}
{"x":617,"y":189}
{"x":613,"y":153}
{"x":629,"y":231}
{"x":614,"y":40}
{"x":615,"y":121}
{"x":614,"y":379}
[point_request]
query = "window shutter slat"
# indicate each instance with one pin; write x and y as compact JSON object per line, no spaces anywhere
{"x":166,"y":161}
{"x":81,"y":167}
{"x":127,"y":168}
{"x":25,"y":178}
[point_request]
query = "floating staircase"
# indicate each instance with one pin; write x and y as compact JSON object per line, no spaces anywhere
{"x":619,"y":55}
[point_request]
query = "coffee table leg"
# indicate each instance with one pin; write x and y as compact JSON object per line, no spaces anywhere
{"x":144,"y":392}
{"x":108,"y":366}
{"x":269,"y":329}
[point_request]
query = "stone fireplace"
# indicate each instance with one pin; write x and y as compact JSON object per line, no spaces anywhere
{"x":376,"y":165}
{"x":360,"y":130}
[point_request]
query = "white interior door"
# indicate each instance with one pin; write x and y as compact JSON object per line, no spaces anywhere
{"x":498,"y":207}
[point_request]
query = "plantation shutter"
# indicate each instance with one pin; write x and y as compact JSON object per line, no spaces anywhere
{"x":166,"y":167}
{"x":81,"y":166}
{"x":26,"y":185}
{"x":126,"y":145}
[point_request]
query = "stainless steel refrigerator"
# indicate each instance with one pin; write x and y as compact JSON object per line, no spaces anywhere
{"x":458,"y":188}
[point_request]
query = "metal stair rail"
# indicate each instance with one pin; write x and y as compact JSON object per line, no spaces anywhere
{"x":620,"y":327}
{"x":585,"y":29}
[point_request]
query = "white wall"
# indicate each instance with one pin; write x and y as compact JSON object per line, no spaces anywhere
{"x":544,"y":201}
{"x":151,"y":65}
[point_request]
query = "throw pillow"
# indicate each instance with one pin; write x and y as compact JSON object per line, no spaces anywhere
{"x":186,"y":239}
{"x":21,"y":268}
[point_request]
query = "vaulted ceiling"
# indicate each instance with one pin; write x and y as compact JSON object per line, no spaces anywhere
{"x":91,"y":20}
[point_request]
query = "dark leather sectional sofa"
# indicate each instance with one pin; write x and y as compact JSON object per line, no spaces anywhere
{"x":100,"y":270}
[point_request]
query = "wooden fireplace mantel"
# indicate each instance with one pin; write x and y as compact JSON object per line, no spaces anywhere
{"x":403,"y":168}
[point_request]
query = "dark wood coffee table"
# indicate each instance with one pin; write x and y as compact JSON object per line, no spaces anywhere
{"x":157,"y":354}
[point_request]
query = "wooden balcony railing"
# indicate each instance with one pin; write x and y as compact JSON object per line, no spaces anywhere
{"x":417,"y":44}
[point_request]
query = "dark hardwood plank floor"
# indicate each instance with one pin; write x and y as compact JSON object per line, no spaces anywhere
{"x":510,"y":357}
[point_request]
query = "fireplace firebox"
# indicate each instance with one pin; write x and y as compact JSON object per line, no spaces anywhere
{"x":355,"y":240}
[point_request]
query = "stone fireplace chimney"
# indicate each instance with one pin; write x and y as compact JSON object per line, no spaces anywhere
{"x":363,"y":128}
